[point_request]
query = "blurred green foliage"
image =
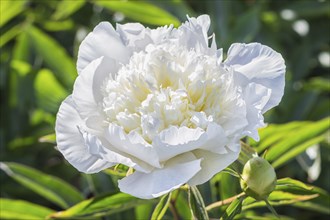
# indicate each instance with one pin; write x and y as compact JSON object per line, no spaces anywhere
{"x":39,"y":43}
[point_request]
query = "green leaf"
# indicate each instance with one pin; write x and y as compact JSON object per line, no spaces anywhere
{"x":295,"y":193}
{"x":273,"y":133}
{"x":233,"y":209}
{"x":49,"y":138}
{"x":50,"y":187}
{"x":182,"y":206}
{"x":318,"y":83}
{"x":141,"y":11}
{"x":143,"y":211}
{"x":10,"y":34}
{"x":54,"y":56}
{"x":196,"y":203}
{"x":65,"y":8}
{"x":161,"y":207}
{"x":310,"y":8}
{"x":18,"y":209}
{"x":247,"y":26}
{"x":286,"y":183}
{"x":295,"y":138}
{"x":101,"y":206}
{"x":278,"y":198}
{"x":49,"y":92}
{"x":291,"y":154}
{"x":9,"y":9}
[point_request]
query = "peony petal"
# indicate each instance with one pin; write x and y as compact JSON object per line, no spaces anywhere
{"x":103,"y":41}
{"x":256,"y":97}
{"x":174,"y":141}
{"x":71,"y":143}
{"x":134,"y":35}
{"x":211,"y":164}
{"x":175,"y":173}
{"x":105,"y":151}
{"x":259,"y":64}
{"x":193,"y":33}
{"x":87,"y":87}
{"x":132,"y":144}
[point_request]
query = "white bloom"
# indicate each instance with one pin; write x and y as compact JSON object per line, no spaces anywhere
{"x":164,"y":103}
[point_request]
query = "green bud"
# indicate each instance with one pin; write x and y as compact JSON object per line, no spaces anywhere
{"x":258,"y":179}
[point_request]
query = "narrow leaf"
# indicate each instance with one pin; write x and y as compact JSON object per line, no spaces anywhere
{"x":18,"y":209}
{"x":196,"y":203}
{"x":10,"y":34}
{"x":54,"y":55}
{"x":291,"y":154}
{"x":65,"y":8}
{"x":9,"y":9}
{"x":143,"y":211}
{"x":101,"y":206}
{"x":233,"y":209}
{"x":278,"y":198}
{"x":296,"y":137}
{"x":141,"y":11}
{"x":50,"y":187}
{"x":161,"y":207}
{"x":286,"y":183}
{"x":50,"y":93}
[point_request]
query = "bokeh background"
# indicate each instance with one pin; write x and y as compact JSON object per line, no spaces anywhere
{"x":39,"y":44}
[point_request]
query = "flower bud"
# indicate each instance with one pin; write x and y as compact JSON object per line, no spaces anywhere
{"x":258,"y":179}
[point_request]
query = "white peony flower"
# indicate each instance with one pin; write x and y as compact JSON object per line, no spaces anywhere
{"x":163,"y":102}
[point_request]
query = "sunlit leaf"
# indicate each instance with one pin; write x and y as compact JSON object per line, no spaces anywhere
{"x":143,"y":211}
{"x":9,"y":35}
{"x":161,"y":207}
{"x":18,"y":209}
{"x":9,"y":9}
{"x":101,"y":206}
{"x":278,"y":198}
{"x":286,"y":183}
{"x":291,"y":154}
{"x":66,"y":8}
{"x":50,"y":187}
{"x":233,"y":209}
{"x":294,"y":193}
{"x":54,"y":56}
{"x":58,"y":25}
{"x":50,"y":138}
{"x":141,"y":11}
{"x":50,"y":93}
{"x":295,"y":138}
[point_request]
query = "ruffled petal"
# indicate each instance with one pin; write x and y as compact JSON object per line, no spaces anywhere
{"x":103,"y":41}
{"x":87,"y":87}
{"x":134,"y":35}
{"x":174,"y":141}
{"x":211,"y":164}
{"x":256,"y":97}
{"x":132,"y":144}
{"x":102,"y":149}
{"x":193,"y":33}
{"x":259,"y":64}
{"x":71,"y":143}
{"x":175,"y":173}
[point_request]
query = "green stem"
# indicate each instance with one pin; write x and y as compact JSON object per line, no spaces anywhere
{"x":270,"y":207}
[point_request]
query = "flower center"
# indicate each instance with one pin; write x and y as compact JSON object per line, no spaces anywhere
{"x":165,"y":86}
